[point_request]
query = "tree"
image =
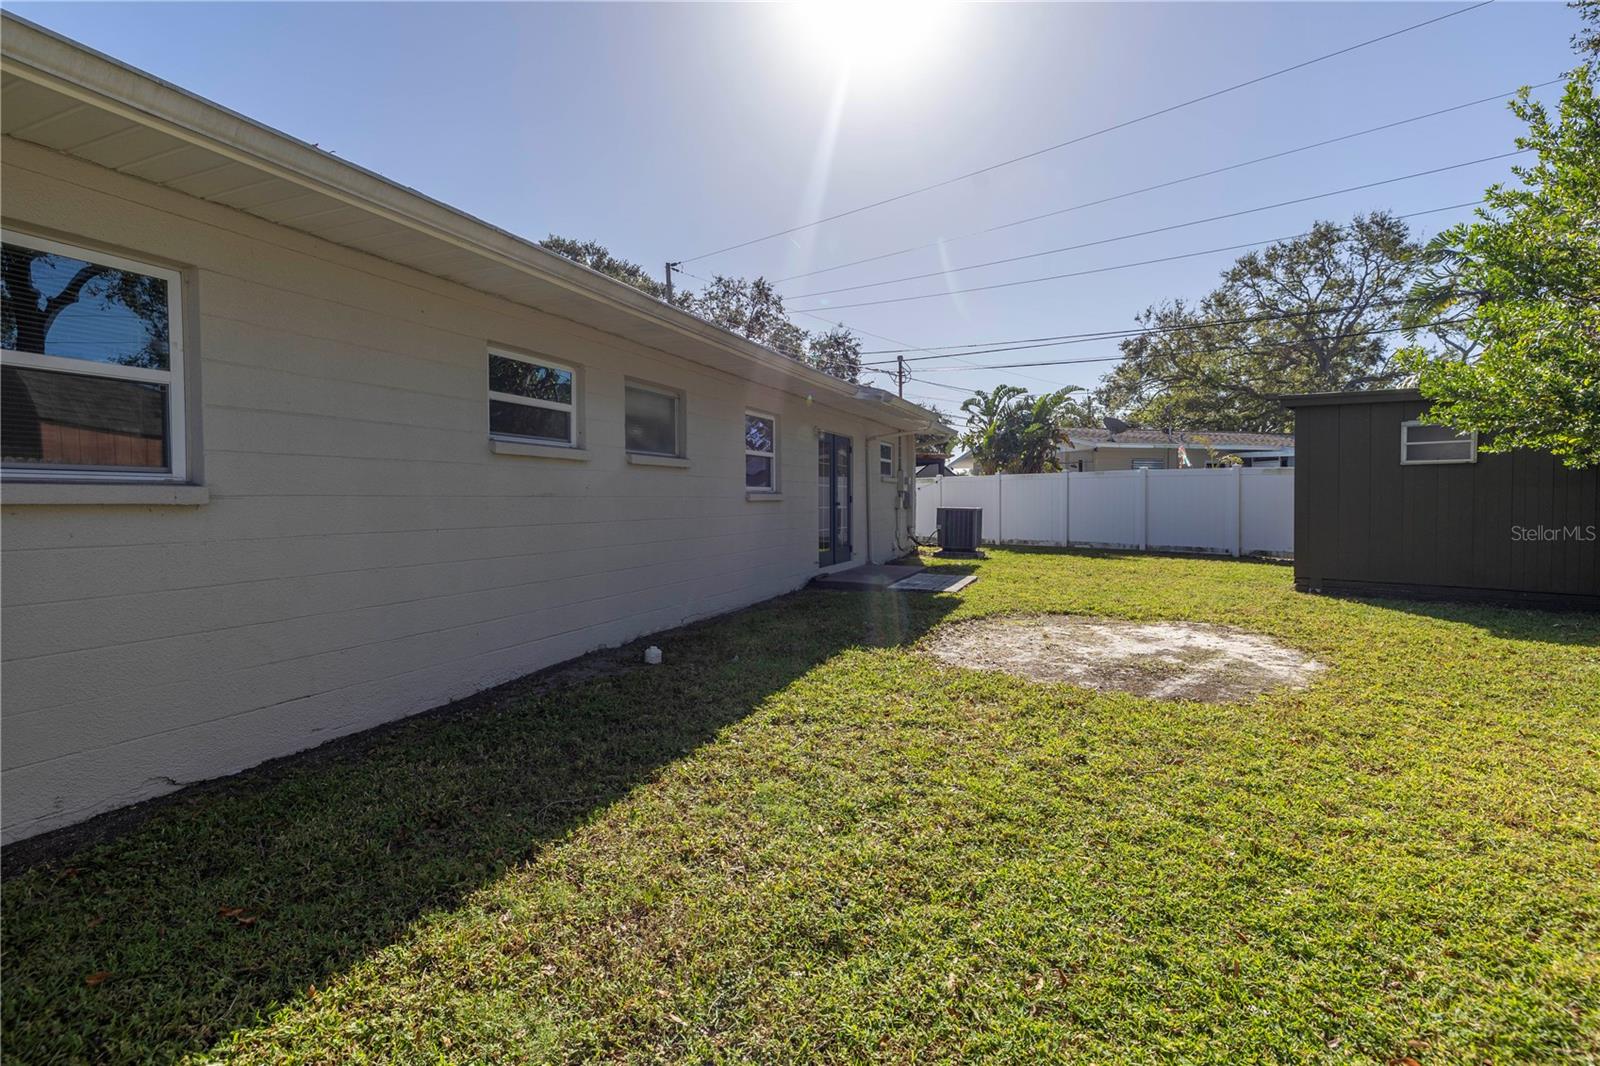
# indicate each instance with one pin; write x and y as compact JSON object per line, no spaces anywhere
{"x":836,"y":352}
{"x":755,"y":310}
{"x":752,"y":309}
{"x":1304,"y":315}
{"x":1527,"y":275}
{"x":1080,"y":411}
{"x":986,"y":411}
{"x":1011,"y":431}
{"x":1587,"y":39}
{"x":596,"y":256}
{"x":29,"y":311}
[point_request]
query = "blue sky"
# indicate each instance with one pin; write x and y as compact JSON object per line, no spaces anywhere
{"x":669,"y":130}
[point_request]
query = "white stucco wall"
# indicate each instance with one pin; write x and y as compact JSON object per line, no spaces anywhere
{"x":363,"y":555}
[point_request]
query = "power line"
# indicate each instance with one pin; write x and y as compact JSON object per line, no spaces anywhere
{"x":1062,"y":339}
{"x":905,"y":347}
{"x":1158,"y":229}
{"x":939,"y":384}
{"x":947,"y":241}
{"x":1095,"y":133}
{"x":1095,"y":270}
{"x":1210,"y":351}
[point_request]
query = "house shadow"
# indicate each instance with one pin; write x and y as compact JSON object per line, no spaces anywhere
{"x":197,"y":914}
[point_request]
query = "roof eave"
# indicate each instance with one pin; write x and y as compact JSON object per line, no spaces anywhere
{"x":1327,"y":399}
{"x":42,"y":56}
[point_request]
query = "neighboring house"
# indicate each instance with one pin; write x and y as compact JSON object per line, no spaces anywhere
{"x":1089,"y":449}
{"x":1386,"y":504}
{"x":962,"y":463}
{"x":291,"y":450}
{"x":932,"y":464}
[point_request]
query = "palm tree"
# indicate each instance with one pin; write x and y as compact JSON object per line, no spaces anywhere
{"x":987,"y":415}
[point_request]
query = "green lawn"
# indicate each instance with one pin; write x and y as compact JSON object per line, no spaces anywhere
{"x":800,"y":840}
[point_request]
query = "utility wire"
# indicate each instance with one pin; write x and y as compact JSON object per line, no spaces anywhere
{"x":1211,"y":351}
{"x":1158,"y":229}
{"x":1091,"y":270}
{"x":947,"y":241}
{"x":867,"y":332}
{"x":1095,"y":133}
{"x":1118,"y":334}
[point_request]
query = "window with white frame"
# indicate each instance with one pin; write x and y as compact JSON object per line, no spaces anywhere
{"x":91,"y":365}
{"x":1421,"y":443}
{"x":885,"y":459}
{"x":532,"y":399}
{"x":1148,"y":464}
{"x":653,"y":420}
{"x":760,"y":452}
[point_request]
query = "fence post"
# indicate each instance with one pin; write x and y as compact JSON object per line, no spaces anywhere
{"x":1066,"y":509}
{"x":999,"y":507}
{"x":1238,"y":511}
{"x":1143,"y":525}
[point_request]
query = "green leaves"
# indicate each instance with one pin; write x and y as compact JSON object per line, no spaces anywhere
{"x":752,"y":308}
{"x":1305,"y":315}
{"x":1014,"y":432}
{"x":1527,"y":278}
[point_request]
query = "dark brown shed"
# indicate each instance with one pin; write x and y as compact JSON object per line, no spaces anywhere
{"x":1386,"y":505}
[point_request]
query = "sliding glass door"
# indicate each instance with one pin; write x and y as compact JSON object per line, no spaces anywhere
{"x":833,"y":499}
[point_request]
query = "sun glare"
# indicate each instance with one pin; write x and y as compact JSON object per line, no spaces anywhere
{"x":886,"y":35}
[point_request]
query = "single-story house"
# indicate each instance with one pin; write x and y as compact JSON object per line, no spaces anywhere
{"x":1387,"y":504}
{"x":291,"y":450}
{"x":932,"y":464}
{"x":1090,"y":448}
{"x":961,"y":463}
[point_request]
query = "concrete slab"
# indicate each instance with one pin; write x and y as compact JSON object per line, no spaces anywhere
{"x":933,"y":582}
{"x":865,"y":578}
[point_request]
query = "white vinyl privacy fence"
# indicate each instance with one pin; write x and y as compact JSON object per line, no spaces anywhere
{"x":1232,"y":511}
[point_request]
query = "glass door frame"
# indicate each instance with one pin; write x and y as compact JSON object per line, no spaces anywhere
{"x":835,"y":498}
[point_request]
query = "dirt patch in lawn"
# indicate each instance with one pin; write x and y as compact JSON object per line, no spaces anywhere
{"x":1163,"y":660}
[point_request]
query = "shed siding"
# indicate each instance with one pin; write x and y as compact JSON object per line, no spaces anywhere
{"x":364,"y":555}
{"x":1364,"y":522}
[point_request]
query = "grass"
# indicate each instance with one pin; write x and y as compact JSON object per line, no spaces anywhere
{"x":799,"y":840}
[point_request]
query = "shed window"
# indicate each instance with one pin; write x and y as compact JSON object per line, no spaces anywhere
{"x":885,"y":459}
{"x":653,"y":424}
{"x":1421,"y":443}
{"x":532,"y":399}
{"x":760,"y":452}
{"x":91,"y":365}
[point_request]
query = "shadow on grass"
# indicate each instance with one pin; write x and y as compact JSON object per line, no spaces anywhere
{"x":229,"y":899}
{"x":1509,"y":623}
{"x":1084,"y":551}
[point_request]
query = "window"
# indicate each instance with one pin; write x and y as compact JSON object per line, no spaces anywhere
{"x":653,"y":420}
{"x":91,"y":365}
{"x":1149,"y":464}
{"x":885,"y":459}
{"x":531,"y":399}
{"x":760,"y":452}
{"x":1421,"y":443}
